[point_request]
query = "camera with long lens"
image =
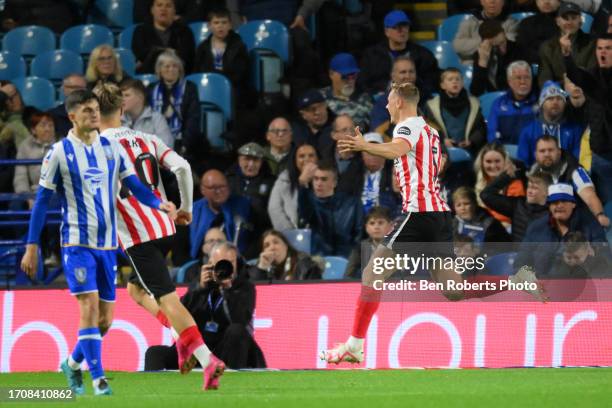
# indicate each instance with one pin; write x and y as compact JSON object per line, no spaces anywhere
{"x":222,"y":270}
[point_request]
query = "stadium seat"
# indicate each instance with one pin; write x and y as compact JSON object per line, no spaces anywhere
{"x":444,"y":53}
{"x":200,"y":32}
{"x":268,"y":44}
{"x":37,"y":92}
{"x":300,"y":239}
{"x":535,"y":70}
{"x":127,"y":59}
{"x":180,"y":273}
{"x":334,"y":267}
{"x":522,"y":15}
{"x":458,"y":155}
{"x":116,"y":14}
{"x":147,"y":79}
{"x":82,"y":39}
{"x":608,"y":211}
{"x":56,"y":65}
{"x":448,"y":29}
{"x":512,"y":150}
{"x":467,"y":72}
{"x":215,"y":94}
{"x":252,"y":262}
{"x":12,"y":65}
{"x":29,"y":40}
{"x":500,"y":264}
{"x":486,"y":102}
{"x":125,"y":37}
{"x":587,"y":22}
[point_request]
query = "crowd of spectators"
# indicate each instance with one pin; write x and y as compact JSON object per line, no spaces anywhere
{"x":286,"y":172}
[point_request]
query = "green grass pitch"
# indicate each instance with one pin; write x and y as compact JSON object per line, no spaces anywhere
{"x":491,"y":388}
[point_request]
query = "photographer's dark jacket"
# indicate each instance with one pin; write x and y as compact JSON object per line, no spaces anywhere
{"x":237,"y":307}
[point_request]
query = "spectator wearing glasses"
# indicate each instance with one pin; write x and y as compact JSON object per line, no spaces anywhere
{"x":103,"y":66}
{"x":213,"y":237}
{"x":377,"y":60}
{"x":219,"y":208}
{"x":71,"y":83}
{"x":280,"y":137}
{"x":342,"y":96}
{"x":315,"y":122}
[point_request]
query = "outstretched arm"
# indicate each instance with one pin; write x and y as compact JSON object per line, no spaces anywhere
{"x":182,"y":170}
{"x":145,"y":196}
{"x":391,"y":150}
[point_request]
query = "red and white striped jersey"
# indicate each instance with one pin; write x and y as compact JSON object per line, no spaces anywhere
{"x":138,"y":223}
{"x":417,"y":171}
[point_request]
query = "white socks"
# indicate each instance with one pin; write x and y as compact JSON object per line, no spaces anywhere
{"x":96,"y":382}
{"x":354,"y":344}
{"x":73,"y":364}
{"x":202,"y":353}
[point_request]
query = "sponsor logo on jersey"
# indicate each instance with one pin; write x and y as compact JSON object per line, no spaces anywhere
{"x":404,"y":130}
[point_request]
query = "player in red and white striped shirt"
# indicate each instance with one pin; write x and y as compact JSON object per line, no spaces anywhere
{"x":145,"y":234}
{"x":426,"y":221}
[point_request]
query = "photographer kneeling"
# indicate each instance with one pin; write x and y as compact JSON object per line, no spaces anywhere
{"x":222,"y":305}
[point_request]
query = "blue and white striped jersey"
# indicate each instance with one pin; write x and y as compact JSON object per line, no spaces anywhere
{"x":86,"y":178}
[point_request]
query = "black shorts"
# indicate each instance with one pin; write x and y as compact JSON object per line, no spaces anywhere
{"x":431,"y":232}
{"x":149,"y":263}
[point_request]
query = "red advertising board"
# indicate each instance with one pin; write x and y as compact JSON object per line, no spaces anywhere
{"x":294,"y":321}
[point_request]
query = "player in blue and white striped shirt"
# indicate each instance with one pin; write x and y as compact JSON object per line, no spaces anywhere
{"x":84,"y":169}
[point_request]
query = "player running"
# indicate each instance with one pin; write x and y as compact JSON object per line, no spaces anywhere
{"x":145,"y":234}
{"x":84,"y":169}
{"x":426,"y":218}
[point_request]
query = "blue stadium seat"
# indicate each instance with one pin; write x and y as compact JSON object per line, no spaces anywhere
{"x":215,"y":94}
{"x":448,"y":29}
{"x":512,"y":151}
{"x":522,"y":15}
{"x":11,"y":66}
{"x":116,"y":14}
{"x":200,"y":32}
{"x":300,"y":239}
{"x":180,"y":273}
{"x":127,"y":59}
{"x":467,"y":72}
{"x":29,"y":40}
{"x":444,"y":53}
{"x":147,"y":79}
{"x":125,"y":37}
{"x":486,"y":101}
{"x":37,"y":92}
{"x":587,"y":22}
{"x":608,"y":211}
{"x":82,"y":39}
{"x":458,"y":155}
{"x":334,"y":267}
{"x":500,"y":264}
{"x":56,"y":65}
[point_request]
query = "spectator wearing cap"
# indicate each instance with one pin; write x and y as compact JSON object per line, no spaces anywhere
{"x":251,"y":178}
{"x":342,"y":96}
{"x":456,"y":114}
{"x":377,"y":181}
{"x":467,"y":39}
{"x":492,"y":58}
{"x":555,"y":119}
{"x":534,"y":30}
{"x":376,"y":61}
{"x":597,"y":86}
{"x":280,"y":137}
{"x":545,"y":235}
{"x":564,"y":168}
{"x":552,"y":67}
{"x":336,"y":218}
{"x":315,"y":122}
{"x":514,"y":109}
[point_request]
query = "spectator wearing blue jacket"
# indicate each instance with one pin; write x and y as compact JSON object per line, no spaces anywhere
{"x":513,"y":110}
{"x":544,"y":237}
{"x":554,"y":120}
{"x":336,"y":218}
{"x":219,"y":208}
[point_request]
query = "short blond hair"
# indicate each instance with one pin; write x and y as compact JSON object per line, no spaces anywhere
{"x":109,"y":97}
{"x":92,"y":74}
{"x":407,"y":91}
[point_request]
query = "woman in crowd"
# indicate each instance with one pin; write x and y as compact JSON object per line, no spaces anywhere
{"x":491,"y":161}
{"x":177,"y":100}
{"x":283,"y":202}
{"x":280,"y":261}
{"x":103,"y":66}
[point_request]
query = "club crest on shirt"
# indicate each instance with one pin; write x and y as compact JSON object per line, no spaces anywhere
{"x":108,"y":152}
{"x":404,"y":130}
{"x":80,"y":274}
{"x":93,"y":179}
